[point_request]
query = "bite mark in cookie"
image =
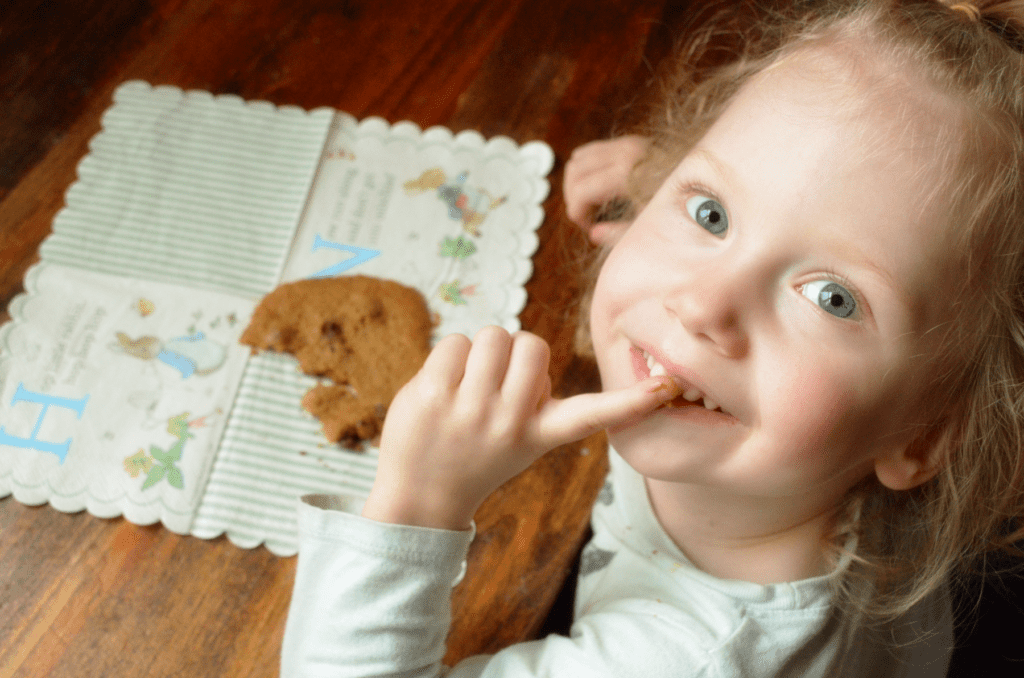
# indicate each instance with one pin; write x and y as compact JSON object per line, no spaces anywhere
{"x":369,"y":336}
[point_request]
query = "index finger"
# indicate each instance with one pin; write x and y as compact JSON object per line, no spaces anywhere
{"x":563,"y":421}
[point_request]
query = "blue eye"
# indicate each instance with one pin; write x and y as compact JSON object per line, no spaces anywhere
{"x":830,"y":296}
{"x":708,"y":213}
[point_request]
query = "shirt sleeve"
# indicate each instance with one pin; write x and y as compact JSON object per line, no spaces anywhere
{"x":370,"y":599}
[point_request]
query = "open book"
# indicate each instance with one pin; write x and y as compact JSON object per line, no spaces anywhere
{"x":123,"y":388}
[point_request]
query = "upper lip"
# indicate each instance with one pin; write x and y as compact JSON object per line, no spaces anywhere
{"x":685,"y":375}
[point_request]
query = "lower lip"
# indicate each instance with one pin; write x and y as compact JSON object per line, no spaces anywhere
{"x":679,"y":406}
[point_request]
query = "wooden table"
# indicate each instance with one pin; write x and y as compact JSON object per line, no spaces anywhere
{"x":83,"y":596}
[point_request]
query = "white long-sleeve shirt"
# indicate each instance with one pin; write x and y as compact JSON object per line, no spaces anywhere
{"x":372,"y":599}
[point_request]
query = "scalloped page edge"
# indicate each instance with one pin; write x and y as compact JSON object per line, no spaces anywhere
{"x":536,"y":154}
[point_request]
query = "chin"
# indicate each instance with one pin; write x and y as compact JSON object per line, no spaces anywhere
{"x":654,"y":459}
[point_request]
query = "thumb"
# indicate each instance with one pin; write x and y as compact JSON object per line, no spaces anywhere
{"x":563,"y":421}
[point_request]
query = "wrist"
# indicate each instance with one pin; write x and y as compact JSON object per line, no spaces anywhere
{"x":414,"y":509}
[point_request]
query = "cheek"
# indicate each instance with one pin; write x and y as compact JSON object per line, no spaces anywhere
{"x":611,"y":293}
{"x":804,"y":412}
{"x":819,"y":415}
{"x":602,"y":313}
{"x":600,"y":305}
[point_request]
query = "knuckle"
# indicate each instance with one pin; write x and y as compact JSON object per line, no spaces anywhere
{"x":492,"y":334}
{"x":506,"y":432}
{"x":432,"y":391}
{"x":452,"y":342}
{"x":449,"y":350}
{"x":532,"y":345}
{"x":531,"y":355}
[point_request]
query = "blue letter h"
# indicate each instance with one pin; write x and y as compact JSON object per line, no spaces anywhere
{"x":59,"y":449}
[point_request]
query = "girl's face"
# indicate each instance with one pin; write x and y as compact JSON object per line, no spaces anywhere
{"x":791,"y":271}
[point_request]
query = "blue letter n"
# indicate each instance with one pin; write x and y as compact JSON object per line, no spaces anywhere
{"x":361,"y":254}
{"x":59,"y":449}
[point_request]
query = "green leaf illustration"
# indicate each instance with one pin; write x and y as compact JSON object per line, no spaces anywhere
{"x":169,"y":457}
{"x":155,"y":475}
{"x":163,"y":466}
{"x":175,"y":478}
{"x":459,"y":248}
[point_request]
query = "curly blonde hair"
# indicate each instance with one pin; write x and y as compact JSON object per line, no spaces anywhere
{"x":909,"y":543}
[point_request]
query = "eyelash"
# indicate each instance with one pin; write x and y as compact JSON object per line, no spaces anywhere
{"x":684,"y":190}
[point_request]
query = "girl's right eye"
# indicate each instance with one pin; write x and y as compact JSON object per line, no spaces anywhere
{"x":709,"y":213}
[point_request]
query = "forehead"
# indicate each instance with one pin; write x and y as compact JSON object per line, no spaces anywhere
{"x":846,"y":110}
{"x":853,"y":154}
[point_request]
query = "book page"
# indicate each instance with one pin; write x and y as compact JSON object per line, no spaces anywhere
{"x":191,"y":189}
{"x":118,"y":394}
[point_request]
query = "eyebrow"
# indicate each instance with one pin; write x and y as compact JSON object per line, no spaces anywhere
{"x":715,"y":162}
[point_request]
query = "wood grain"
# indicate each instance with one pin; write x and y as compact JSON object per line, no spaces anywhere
{"x":84,"y":596}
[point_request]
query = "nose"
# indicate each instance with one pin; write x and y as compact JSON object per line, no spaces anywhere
{"x":715,"y":304}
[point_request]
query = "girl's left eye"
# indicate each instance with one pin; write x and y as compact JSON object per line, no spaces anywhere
{"x":830,"y":296}
{"x":709,"y":213}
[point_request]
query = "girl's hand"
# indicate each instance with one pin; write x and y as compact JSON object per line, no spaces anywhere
{"x":595,"y":174}
{"x":477,"y":414}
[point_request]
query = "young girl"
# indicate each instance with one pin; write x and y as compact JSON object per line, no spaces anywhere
{"x":811,"y":344}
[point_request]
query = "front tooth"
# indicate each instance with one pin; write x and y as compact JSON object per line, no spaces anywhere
{"x":650,"y":361}
{"x":691,"y":394}
{"x":710,"y":404}
{"x":658,"y":370}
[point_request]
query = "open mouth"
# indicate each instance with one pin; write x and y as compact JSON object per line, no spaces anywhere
{"x":690,"y":396}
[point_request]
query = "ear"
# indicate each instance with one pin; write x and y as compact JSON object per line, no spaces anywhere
{"x":906,"y":467}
